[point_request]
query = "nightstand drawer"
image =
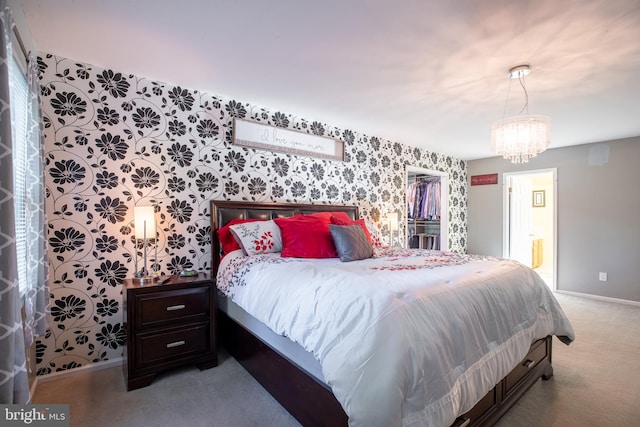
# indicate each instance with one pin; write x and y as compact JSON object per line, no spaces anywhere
{"x":167,"y":307}
{"x":155,"y":348}
{"x":538,"y":353}
{"x":169,"y":324}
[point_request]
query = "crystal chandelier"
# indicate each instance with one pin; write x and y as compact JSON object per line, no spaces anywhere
{"x":521,"y":137}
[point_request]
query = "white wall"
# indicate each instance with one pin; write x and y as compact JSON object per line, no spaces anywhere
{"x":542,"y":218}
{"x":21,"y":23}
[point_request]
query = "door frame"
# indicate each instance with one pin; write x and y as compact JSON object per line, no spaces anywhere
{"x":506,"y":218}
{"x":444,"y":203}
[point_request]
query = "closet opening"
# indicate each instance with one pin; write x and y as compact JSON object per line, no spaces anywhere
{"x":427,"y":207}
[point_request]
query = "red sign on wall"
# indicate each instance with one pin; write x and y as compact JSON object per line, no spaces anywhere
{"x":491,"y":178}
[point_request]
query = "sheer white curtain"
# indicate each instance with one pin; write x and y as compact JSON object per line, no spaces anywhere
{"x":16,"y":336}
{"x":36,"y":261}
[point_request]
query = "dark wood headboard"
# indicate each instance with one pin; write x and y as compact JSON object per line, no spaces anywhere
{"x":224,"y":211}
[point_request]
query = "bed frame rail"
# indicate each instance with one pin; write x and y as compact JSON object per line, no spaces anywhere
{"x":313,"y":404}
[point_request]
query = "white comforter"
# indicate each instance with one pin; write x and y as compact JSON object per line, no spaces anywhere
{"x":413,"y":338}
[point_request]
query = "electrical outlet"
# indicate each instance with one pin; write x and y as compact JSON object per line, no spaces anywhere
{"x":602,"y":276}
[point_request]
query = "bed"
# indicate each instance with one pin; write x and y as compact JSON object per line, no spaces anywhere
{"x":320,"y":383}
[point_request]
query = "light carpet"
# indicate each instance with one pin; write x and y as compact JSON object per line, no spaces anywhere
{"x":596,"y":383}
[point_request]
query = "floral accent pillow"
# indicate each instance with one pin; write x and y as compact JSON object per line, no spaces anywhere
{"x":227,"y":240}
{"x":261,"y":237}
{"x":375,"y":233}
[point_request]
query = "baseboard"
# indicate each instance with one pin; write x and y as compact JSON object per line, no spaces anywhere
{"x":600,"y":298}
{"x":33,"y":388}
{"x":93,"y":367}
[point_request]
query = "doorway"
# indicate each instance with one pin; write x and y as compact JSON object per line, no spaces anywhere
{"x":414,"y":226}
{"x":530,"y":217}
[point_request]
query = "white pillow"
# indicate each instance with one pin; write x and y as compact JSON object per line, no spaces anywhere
{"x":259,"y":237}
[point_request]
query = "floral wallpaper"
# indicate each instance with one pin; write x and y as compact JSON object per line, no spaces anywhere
{"x":116,"y":140}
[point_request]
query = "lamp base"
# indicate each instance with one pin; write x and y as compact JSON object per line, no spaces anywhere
{"x":144,"y":279}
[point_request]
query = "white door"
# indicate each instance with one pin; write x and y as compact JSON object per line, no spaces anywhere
{"x":524,"y":223}
{"x":520,"y":225}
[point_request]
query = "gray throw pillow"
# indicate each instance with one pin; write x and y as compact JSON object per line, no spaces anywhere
{"x":350,"y":242}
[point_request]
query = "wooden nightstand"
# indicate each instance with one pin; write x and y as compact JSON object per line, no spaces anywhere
{"x":168,"y":325}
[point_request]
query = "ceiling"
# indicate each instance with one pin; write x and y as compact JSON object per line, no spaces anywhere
{"x":427,"y":73}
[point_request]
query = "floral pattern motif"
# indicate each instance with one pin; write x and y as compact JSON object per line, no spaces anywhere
{"x":232,"y":272}
{"x":116,"y":140}
{"x":258,"y":237}
{"x":399,"y":259}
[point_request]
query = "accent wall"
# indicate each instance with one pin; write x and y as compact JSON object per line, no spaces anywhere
{"x":115,"y":140}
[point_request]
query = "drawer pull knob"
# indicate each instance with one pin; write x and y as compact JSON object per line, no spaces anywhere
{"x":175,"y":344}
{"x":528,"y":364}
{"x":175,"y":307}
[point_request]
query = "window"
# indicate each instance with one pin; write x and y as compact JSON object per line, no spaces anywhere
{"x":19,"y":96}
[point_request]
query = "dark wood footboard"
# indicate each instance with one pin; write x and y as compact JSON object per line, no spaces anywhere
{"x":496,"y":403}
{"x":310,"y":402}
{"x":313,"y":404}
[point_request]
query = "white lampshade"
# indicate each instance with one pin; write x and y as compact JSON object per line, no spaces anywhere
{"x":392,"y":220}
{"x":144,"y":222}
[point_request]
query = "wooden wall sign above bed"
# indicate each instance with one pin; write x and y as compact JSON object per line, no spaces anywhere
{"x":265,"y":137}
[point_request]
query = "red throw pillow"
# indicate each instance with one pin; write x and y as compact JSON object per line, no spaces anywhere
{"x":325,"y":216}
{"x":328,"y":215}
{"x":339,"y":220}
{"x":228,"y":242}
{"x":306,"y":236}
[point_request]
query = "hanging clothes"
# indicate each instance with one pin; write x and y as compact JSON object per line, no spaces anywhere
{"x":423,"y":206}
{"x":424,"y":200}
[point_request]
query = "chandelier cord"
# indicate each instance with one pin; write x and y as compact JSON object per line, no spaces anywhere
{"x":526,"y":95}
{"x":506,"y":101}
